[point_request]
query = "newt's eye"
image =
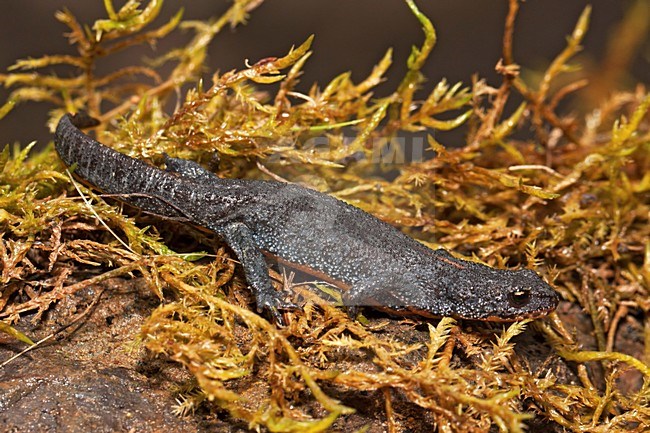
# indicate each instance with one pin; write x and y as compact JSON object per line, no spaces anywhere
{"x":519,"y":298}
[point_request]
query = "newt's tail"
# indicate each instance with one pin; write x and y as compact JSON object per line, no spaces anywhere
{"x":135,"y":181}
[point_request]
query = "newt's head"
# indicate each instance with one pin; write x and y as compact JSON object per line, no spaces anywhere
{"x":512,"y":296}
{"x":478,"y":292}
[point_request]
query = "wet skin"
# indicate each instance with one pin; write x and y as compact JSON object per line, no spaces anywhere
{"x":375,"y":263}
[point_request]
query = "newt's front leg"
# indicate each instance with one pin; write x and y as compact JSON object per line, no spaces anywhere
{"x":240,"y":239}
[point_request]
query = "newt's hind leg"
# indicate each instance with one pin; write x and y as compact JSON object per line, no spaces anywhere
{"x":190,"y":169}
{"x":240,"y":239}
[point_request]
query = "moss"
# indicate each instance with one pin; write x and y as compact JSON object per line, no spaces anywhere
{"x":571,"y":202}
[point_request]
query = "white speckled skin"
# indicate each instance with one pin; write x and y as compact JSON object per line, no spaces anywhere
{"x":381,"y":265}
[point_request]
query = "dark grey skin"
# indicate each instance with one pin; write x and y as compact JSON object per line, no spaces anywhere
{"x":377,"y":264}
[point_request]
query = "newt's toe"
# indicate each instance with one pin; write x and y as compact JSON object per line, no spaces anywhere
{"x":274,"y":304}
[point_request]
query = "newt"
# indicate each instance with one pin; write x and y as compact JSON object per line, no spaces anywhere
{"x":375,"y":263}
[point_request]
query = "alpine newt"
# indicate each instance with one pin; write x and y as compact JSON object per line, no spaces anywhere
{"x":376,"y":264}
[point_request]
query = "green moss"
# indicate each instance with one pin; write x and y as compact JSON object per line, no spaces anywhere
{"x":576,"y":198}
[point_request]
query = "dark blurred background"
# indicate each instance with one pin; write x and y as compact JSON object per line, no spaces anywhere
{"x":350,"y":35}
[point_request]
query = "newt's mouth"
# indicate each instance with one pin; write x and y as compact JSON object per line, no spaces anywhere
{"x":535,"y":314}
